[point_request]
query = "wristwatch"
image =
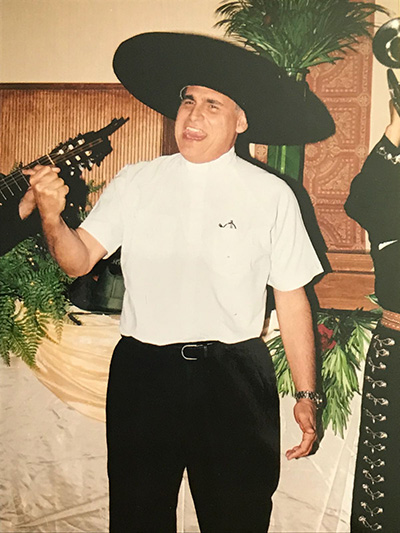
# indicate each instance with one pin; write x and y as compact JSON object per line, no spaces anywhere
{"x":311,"y":395}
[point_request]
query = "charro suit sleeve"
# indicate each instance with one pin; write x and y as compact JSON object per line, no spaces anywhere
{"x":374,"y":199}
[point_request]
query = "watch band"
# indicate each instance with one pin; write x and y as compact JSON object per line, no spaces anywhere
{"x":310,"y":395}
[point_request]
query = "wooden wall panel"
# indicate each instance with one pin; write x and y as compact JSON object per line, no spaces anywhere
{"x":329,"y":169}
{"x":350,"y":282}
{"x":36,"y":118}
{"x":331,"y":165}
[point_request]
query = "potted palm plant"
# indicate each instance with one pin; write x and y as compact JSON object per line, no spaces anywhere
{"x":297,"y":35}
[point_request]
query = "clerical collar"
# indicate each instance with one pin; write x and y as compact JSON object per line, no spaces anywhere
{"x":221,"y":161}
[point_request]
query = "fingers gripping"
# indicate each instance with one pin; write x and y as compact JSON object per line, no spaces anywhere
{"x":49,"y":190}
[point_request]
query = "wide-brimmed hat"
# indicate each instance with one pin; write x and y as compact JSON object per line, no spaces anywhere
{"x":154,"y":67}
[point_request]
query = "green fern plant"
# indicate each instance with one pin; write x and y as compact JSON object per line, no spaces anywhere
{"x":32,"y":299}
{"x":298,"y":34}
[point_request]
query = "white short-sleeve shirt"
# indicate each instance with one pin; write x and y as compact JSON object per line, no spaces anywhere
{"x":200,"y":242}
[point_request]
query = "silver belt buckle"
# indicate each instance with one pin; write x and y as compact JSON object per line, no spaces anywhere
{"x":190,"y":346}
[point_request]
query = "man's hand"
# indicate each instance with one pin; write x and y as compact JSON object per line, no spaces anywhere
{"x":49,"y":191}
{"x":27,"y":204}
{"x":305,"y":415}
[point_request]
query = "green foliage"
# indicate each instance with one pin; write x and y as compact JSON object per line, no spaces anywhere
{"x":340,"y":359}
{"x":298,"y":34}
{"x":32,"y":298}
{"x":92,"y":189}
{"x":351,"y":331}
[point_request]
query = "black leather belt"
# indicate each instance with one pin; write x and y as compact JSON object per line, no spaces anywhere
{"x":191,"y":351}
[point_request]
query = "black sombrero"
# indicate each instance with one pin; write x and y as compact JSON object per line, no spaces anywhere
{"x":154,"y":67}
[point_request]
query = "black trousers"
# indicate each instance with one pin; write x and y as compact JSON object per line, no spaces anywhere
{"x":213,"y":410}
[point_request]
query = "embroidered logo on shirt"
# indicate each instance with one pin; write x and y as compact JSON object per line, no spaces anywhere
{"x":229,"y":224}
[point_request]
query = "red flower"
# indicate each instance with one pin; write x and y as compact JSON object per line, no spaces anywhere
{"x":325,"y":337}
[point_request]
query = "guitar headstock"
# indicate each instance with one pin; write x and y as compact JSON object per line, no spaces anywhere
{"x":83,"y":151}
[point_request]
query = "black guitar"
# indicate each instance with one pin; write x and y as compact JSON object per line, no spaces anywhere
{"x":72,"y":156}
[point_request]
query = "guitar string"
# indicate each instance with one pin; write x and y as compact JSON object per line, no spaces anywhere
{"x":19,"y":174}
{"x":13,"y":177}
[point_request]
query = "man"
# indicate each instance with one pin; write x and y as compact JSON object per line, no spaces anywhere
{"x":202,"y":232}
{"x":374,"y":202}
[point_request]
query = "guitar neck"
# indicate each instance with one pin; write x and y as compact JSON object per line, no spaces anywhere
{"x":16,"y":183}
